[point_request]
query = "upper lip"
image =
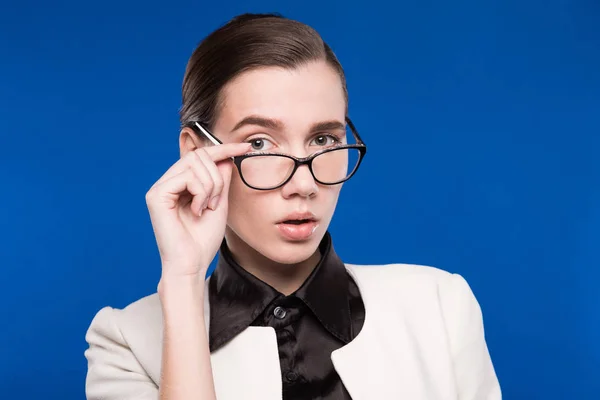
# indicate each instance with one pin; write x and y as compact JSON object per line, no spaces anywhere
{"x":299,"y":216}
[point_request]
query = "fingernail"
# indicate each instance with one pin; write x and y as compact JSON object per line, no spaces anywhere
{"x":214,"y":202}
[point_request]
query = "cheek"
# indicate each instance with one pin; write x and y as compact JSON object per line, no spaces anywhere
{"x":246,"y":205}
{"x":237,"y":194}
{"x":332,"y":197}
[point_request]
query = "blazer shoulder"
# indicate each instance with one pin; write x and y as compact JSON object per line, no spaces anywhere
{"x":439,"y":302}
{"x":141,"y":321}
{"x":414,"y":281}
{"x":399,"y":271}
{"x":124,"y":346}
{"x":145,"y":308}
{"x":138,"y":322}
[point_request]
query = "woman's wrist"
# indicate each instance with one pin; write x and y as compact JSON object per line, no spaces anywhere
{"x":185,"y":288}
{"x":186,"y":367}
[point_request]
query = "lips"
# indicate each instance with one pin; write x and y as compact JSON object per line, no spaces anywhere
{"x":297,"y":231}
{"x":298,"y":217}
{"x":298,"y":226}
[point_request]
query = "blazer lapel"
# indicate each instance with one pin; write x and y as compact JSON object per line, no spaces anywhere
{"x":381,"y":363}
{"x":247,"y":367}
{"x":363,"y":364}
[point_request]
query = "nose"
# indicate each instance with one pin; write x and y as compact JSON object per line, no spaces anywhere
{"x":301,"y":184}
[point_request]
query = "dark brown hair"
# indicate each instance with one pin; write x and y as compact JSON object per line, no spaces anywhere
{"x":246,"y":42}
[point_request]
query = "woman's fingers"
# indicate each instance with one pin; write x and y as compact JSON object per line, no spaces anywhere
{"x":168,"y":192}
{"x":215,"y":188}
{"x":198,"y":174}
{"x":220,"y":168}
{"x":224,"y":151}
{"x":201,"y":170}
{"x":216,"y":154}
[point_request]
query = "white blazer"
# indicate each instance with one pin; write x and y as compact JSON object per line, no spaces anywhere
{"x":422,"y":339}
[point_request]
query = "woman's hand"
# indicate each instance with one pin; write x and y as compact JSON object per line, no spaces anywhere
{"x":188,"y":209}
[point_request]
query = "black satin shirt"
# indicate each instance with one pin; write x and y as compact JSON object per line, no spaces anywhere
{"x":324,"y":314}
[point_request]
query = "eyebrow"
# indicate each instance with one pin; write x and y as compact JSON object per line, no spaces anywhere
{"x":275,"y":124}
{"x":328,"y":126}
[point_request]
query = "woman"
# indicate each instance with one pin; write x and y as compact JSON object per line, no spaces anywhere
{"x":282,"y":317}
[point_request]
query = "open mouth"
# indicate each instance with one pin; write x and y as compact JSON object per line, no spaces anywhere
{"x":297,"y":221}
{"x":297,"y":229}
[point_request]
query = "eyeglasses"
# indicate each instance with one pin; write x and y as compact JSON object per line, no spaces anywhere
{"x":267,"y":171}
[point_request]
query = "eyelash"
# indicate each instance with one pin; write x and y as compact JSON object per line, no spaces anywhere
{"x":336,"y":139}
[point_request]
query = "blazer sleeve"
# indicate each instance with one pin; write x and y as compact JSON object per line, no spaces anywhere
{"x":474,"y":372}
{"x":114,"y":373}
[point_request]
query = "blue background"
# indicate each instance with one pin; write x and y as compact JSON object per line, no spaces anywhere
{"x":483,"y":125}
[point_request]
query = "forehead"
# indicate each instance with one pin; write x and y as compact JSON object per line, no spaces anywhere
{"x":300,"y":96}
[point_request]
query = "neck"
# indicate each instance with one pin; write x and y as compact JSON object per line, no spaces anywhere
{"x":285,"y":278}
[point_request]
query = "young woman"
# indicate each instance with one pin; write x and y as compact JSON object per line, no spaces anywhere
{"x":266,"y":145}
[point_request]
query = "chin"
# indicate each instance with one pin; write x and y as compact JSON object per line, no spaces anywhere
{"x":284,"y":251}
{"x":276,"y":248}
{"x":292,"y":252}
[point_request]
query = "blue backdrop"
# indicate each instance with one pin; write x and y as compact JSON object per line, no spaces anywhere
{"x":483,"y":125}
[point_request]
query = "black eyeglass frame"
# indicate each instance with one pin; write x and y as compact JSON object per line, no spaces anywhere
{"x":237,"y":160}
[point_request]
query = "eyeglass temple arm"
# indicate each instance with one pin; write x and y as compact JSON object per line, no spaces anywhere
{"x":209,"y":135}
{"x":354,"y":131}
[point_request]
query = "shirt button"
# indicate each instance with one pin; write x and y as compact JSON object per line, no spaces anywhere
{"x":291,"y":376}
{"x":279,"y":312}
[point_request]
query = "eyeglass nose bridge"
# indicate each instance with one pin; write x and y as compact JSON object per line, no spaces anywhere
{"x":300,"y":161}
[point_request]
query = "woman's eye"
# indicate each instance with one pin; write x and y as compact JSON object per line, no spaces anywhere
{"x":260,"y":144}
{"x":325,"y":140}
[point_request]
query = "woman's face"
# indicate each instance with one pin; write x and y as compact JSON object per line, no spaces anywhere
{"x":286,"y":106}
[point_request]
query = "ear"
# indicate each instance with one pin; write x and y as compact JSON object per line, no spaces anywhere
{"x":188,"y":141}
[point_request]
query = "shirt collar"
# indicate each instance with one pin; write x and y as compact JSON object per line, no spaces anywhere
{"x":237,"y":297}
